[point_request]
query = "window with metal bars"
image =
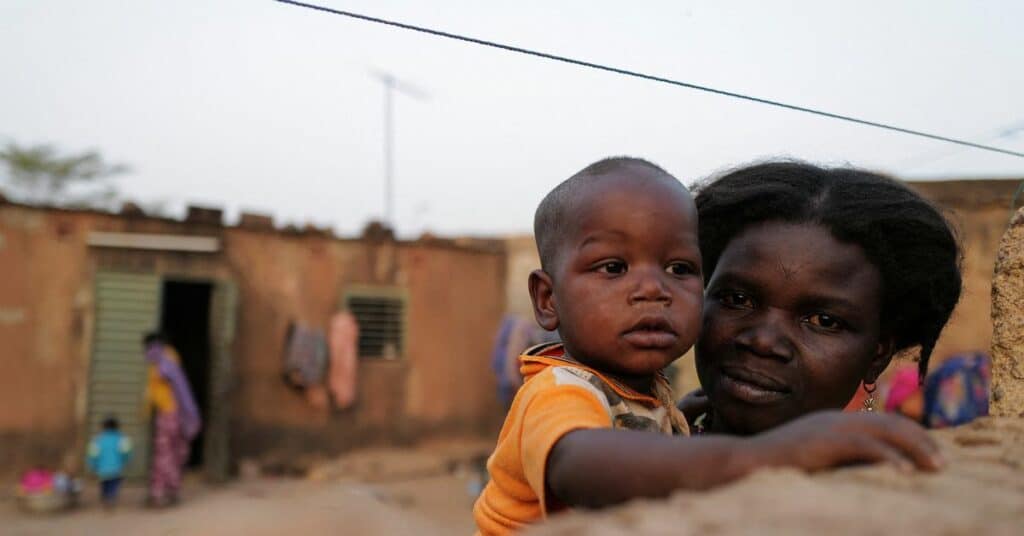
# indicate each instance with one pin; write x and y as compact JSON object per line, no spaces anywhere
{"x":381,"y":319}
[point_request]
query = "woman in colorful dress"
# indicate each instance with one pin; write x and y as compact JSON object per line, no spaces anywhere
{"x":176,"y":420}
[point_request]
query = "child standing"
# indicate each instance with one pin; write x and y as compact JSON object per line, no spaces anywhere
{"x":109,"y":453}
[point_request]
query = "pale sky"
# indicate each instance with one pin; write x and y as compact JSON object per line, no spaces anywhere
{"x":257,"y":105}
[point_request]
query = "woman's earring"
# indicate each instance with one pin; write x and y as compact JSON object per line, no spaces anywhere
{"x":869,"y":402}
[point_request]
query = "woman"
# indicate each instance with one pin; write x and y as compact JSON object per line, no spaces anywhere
{"x":176,"y":419}
{"x":816,"y":277}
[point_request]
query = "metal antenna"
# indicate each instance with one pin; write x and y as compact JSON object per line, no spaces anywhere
{"x":392,"y":84}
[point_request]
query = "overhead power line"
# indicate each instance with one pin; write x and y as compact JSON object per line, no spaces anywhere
{"x":1005,"y":132}
{"x":653,"y":78}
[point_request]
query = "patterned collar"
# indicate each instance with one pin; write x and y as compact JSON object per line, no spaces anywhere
{"x":702,"y":424}
{"x":554,"y":353}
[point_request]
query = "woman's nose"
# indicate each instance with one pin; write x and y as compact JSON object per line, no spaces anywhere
{"x":768,"y":336}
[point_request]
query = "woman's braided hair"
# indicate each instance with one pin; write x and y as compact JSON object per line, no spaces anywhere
{"x":906,"y":237}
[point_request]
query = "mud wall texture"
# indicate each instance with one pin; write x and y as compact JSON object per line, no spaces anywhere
{"x":980,"y":492}
{"x":522,"y":259}
{"x":1008,"y":323}
{"x":442,"y":383}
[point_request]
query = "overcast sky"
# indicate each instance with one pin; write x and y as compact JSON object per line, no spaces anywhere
{"x":257,"y":105}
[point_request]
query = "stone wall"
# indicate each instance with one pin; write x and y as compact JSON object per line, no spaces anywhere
{"x":1008,"y":323}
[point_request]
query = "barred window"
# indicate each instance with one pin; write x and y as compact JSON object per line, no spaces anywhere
{"x":381,"y":318}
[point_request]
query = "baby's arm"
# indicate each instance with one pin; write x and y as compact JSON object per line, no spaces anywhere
{"x":597,"y":467}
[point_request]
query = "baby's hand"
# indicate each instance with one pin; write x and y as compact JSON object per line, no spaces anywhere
{"x":830,"y":439}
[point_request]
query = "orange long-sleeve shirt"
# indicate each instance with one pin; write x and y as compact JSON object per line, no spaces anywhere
{"x":558,"y":396}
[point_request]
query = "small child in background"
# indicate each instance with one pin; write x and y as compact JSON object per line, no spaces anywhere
{"x":109,"y":453}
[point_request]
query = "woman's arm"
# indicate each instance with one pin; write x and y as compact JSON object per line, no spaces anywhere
{"x":598,"y":467}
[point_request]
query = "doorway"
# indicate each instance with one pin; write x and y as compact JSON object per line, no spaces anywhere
{"x":185,"y":320}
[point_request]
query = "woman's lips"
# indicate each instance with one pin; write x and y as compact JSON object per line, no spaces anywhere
{"x":751,"y":386}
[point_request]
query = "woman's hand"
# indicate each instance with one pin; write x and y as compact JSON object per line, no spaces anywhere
{"x":832,"y":438}
{"x":694,"y":404}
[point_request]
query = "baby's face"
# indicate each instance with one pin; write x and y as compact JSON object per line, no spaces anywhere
{"x":628,"y":290}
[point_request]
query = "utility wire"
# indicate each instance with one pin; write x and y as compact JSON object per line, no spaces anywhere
{"x":1007,"y":132}
{"x":653,"y":78}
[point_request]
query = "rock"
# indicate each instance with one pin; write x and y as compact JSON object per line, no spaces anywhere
{"x":1008,"y":323}
{"x":979,"y":492}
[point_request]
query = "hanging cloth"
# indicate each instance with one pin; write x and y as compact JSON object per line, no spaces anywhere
{"x":305,"y":356}
{"x":343,"y":339}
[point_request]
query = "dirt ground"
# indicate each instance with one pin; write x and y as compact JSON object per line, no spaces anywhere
{"x":429,"y":490}
{"x":981,"y":491}
{"x":381,"y":491}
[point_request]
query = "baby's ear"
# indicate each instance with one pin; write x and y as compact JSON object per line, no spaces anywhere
{"x":883,"y":355}
{"x":542,"y":294}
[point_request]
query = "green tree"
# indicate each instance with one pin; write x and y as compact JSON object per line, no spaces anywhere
{"x":40,"y":175}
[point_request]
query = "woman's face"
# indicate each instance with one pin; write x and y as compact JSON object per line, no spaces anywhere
{"x":791,"y":325}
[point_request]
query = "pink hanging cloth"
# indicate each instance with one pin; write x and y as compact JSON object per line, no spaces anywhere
{"x":343,"y":339}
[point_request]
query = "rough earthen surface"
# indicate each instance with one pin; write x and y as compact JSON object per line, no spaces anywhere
{"x":980,"y":492}
{"x":1008,"y":322}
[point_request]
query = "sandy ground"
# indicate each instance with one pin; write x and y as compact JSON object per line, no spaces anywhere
{"x":981,"y":491}
{"x":384,"y":491}
{"x":427,"y":491}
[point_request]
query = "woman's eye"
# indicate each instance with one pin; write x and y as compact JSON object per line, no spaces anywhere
{"x":680,"y":268}
{"x":736,"y":299}
{"x":613,"y":267}
{"x":825,"y":321}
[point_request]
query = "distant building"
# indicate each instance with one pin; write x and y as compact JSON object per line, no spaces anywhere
{"x":78,"y":290}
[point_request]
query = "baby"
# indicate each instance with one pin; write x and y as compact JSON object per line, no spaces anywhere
{"x":621,"y":282}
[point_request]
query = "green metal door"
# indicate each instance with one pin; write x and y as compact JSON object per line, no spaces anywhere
{"x":127,"y":307}
{"x":217,"y":454}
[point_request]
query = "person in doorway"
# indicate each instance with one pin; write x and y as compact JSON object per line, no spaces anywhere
{"x":176,"y":419}
{"x":109,"y":453}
